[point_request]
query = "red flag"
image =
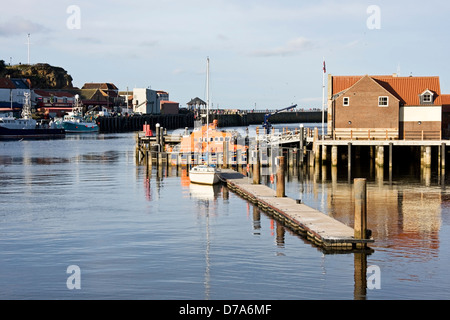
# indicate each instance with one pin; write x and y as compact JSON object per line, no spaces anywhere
{"x":324,"y":68}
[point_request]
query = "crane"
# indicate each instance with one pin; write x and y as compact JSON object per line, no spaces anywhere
{"x":266,"y":124}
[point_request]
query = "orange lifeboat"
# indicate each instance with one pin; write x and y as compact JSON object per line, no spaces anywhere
{"x":197,"y":141}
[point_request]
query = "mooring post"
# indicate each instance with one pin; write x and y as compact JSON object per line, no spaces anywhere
{"x":390,"y":154}
{"x":280,"y":177}
{"x":256,"y":165}
{"x":334,"y":156}
{"x":157,"y":126}
{"x":427,"y":156}
{"x":225,"y":155}
{"x":324,"y":154}
{"x":360,"y":227}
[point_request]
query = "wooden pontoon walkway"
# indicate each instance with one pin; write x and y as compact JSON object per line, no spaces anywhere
{"x":316,"y":226}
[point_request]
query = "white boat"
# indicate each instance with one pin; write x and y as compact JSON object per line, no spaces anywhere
{"x":26,"y":127}
{"x":205,"y":174}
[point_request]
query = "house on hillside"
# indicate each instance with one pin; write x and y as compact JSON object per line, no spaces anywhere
{"x":384,"y":107}
{"x":12,"y":94}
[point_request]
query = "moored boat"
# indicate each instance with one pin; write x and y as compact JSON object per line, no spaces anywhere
{"x":205,"y":174}
{"x":75,"y":122}
{"x":28,"y":128}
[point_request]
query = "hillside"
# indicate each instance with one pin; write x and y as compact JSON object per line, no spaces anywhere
{"x":41,"y":75}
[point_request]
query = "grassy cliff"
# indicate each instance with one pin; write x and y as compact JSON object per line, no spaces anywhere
{"x":41,"y":75}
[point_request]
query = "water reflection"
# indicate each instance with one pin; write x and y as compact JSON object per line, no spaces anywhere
{"x":107,"y":156}
{"x":404,"y":207}
{"x":204,"y":192}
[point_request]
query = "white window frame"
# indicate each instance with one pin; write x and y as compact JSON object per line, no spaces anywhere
{"x":380,"y":99}
{"x":346,"y":101}
{"x":427,"y":97}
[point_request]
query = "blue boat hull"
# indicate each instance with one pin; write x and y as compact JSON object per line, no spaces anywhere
{"x":83,"y":127}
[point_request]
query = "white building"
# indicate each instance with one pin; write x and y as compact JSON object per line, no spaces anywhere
{"x":12,"y":93}
{"x":147,"y":101}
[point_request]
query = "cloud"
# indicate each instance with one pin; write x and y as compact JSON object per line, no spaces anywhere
{"x":178,"y":71}
{"x":293,"y":46}
{"x":19,"y":26}
{"x":149,"y":43}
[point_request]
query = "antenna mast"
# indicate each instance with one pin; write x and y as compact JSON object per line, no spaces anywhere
{"x":28,"y":43}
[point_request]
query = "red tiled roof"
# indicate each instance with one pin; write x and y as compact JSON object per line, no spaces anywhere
{"x":44,"y":93}
{"x":445,"y":99}
{"x":6,"y":83}
{"x":406,"y":89}
{"x":103,"y":86}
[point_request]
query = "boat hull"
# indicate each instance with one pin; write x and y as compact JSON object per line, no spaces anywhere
{"x":83,"y":127}
{"x":17,"y":134}
{"x":202,"y":175}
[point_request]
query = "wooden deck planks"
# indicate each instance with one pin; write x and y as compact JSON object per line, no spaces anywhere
{"x":317,"y":226}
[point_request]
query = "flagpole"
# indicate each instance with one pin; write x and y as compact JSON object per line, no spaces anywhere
{"x":323,"y":97}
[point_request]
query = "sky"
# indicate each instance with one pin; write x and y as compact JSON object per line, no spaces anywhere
{"x":263,"y":54}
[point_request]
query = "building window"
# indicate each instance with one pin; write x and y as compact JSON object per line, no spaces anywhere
{"x":427,"y":98}
{"x":346,"y":102}
{"x":383,"y":101}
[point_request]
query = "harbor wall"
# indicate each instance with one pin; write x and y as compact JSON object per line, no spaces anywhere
{"x":176,"y":121}
{"x":136,"y":123}
{"x":257,"y":118}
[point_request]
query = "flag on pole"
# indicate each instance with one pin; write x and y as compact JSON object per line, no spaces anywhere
{"x":324,"y":67}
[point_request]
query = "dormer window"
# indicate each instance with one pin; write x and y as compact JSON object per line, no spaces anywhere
{"x":426,"y":97}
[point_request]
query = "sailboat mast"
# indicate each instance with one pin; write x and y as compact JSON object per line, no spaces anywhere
{"x":207,"y":110}
{"x":207,"y":90}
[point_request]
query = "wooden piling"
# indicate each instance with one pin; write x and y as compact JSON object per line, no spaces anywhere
{"x":324,"y":154}
{"x":380,"y":156}
{"x":280,"y":178}
{"x":334,"y":156}
{"x":360,"y":224}
{"x":256,"y":168}
{"x":427,"y":158}
{"x":225,"y":155}
{"x":390,"y":154}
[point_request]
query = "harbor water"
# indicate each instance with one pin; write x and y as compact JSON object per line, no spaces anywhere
{"x":84,"y":202}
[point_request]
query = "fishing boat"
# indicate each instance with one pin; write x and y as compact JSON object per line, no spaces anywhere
{"x":75,"y":122}
{"x":26,"y":127}
{"x":205,"y":173}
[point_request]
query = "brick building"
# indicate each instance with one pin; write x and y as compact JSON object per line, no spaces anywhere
{"x":384,"y":107}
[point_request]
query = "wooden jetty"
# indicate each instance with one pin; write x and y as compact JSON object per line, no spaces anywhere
{"x":316,"y":226}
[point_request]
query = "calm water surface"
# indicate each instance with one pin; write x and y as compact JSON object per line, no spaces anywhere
{"x":136,"y":234}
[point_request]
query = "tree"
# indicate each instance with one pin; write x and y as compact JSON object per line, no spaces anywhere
{"x":2,"y":68}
